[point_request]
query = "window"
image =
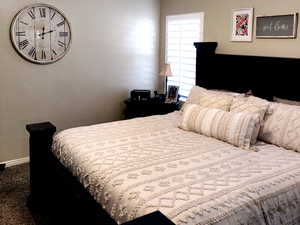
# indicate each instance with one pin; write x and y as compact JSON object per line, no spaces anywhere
{"x":181,"y":33}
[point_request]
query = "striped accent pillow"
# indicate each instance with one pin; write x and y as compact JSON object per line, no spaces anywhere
{"x":234,"y":128}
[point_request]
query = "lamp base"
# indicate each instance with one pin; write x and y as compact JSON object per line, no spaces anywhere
{"x":166,"y":86}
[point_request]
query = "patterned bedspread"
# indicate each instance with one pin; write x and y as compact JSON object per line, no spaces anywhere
{"x":137,"y":166}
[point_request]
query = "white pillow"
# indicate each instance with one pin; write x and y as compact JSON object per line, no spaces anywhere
{"x":210,"y":99}
{"x":252,"y":105}
{"x":225,"y":92}
{"x":285,"y":101}
{"x":282,"y":127}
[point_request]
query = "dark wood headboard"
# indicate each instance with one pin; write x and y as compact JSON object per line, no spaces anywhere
{"x":265,"y":76}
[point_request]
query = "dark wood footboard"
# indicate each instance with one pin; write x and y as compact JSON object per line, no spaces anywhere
{"x":40,"y":142}
{"x":55,"y":192}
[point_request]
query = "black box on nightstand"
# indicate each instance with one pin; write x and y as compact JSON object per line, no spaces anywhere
{"x":140,"y":95}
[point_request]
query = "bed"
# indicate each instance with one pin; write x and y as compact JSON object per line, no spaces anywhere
{"x":126,"y":170}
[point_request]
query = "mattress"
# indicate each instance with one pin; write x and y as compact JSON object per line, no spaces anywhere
{"x":138,"y":166}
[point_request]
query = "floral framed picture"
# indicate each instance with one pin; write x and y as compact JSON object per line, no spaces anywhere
{"x":242,"y":24}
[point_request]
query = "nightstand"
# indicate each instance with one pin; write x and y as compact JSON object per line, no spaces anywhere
{"x":149,"y":108}
{"x":155,"y":218}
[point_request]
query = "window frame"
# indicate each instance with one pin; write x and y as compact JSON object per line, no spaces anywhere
{"x":201,"y":30}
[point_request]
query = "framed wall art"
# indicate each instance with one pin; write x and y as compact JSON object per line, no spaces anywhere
{"x":242,"y":24}
{"x":277,"y":26}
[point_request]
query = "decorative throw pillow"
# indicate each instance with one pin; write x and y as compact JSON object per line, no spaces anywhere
{"x":285,"y":101}
{"x":252,"y":105}
{"x":225,"y":92}
{"x":215,"y":100}
{"x":194,"y":95}
{"x":282,"y":127}
{"x":210,"y":99}
{"x":234,"y":128}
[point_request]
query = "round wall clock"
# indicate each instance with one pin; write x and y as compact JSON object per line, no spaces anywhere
{"x":41,"y":33}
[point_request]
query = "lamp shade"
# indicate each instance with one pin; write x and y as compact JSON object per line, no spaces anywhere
{"x":166,"y":71}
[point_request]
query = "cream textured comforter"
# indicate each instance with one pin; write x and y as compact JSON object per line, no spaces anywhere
{"x":138,"y":166}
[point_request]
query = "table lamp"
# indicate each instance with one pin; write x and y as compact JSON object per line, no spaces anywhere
{"x":166,"y":72}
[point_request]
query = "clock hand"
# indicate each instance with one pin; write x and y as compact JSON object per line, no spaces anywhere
{"x":42,"y":34}
{"x":49,"y":32}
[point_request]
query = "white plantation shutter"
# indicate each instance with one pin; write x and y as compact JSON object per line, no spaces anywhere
{"x":181,"y":33}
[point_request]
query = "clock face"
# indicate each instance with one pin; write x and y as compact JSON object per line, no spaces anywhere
{"x":41,"y":34}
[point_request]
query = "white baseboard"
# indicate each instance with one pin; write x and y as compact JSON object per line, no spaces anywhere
{"x":16,"y":162}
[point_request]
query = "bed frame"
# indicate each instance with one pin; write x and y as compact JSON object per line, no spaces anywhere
{"x":265,"y":76}
{"x":53,"y":189}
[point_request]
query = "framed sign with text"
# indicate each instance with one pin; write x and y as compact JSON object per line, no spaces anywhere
{"x":277,"y":26}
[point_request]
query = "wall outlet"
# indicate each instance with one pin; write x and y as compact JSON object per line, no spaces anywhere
{"x":2,"y":167}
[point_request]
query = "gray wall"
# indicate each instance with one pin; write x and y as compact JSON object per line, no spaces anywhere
{"x":218,"y":24}
{"x":115,"y":49}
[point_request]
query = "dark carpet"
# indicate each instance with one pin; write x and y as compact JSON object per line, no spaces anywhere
{"x":14,"y":190}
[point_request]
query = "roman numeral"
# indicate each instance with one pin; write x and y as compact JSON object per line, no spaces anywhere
{"x":54,"y":52}
{"x":42,"y":12}
{"x":31,"y":13}
{"x":32,"y":52}
{"x":61,"y":23}
{"x":54,"y":13}
{"x":21,"y":34}
{"x":44,"y":54}
{"x":23,"y":44}
{"x":24,"y":23}
{"x":63,"y":34}
{"x":61,"y":44}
